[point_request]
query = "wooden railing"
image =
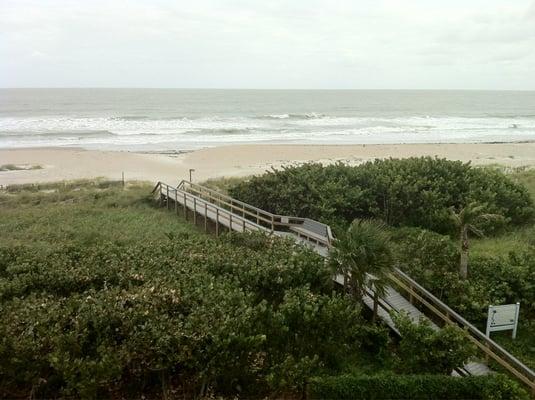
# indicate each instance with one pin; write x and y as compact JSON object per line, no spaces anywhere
{"x":226,"y":209}
{"x":489,"y":347}
{"x":273,"y":222}
{"x":183,"y":200}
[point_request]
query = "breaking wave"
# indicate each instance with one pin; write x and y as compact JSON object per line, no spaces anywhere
{"x":291,"y":116}
{"x":133,"y":132}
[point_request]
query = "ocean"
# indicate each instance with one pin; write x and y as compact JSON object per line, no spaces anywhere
{"x":186,"y":119}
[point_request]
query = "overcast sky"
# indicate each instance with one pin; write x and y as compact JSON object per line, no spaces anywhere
{"x":377,"y":44}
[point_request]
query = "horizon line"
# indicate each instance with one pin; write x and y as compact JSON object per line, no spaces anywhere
{"x":258,"y":89}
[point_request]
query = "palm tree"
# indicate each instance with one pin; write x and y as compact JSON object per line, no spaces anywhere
{"x":363,"y":257}
{"x":467,"y":220}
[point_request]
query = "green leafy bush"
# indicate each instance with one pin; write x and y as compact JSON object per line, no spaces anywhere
{"x":410,"y":192}
{"x":193,"y":312}
{"x":432,"y":260}
{"x":415,"y":387}
{"x":423,"y":349}
{"x":103,"y":296}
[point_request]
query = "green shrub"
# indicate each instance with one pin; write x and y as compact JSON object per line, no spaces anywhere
{"x":415,"y":387}
{"x":432,"y":260}
{"x":508,"y":279}
{"x":90,"y":321}
{"x":401,"y":192}
{"x":423,"y":349}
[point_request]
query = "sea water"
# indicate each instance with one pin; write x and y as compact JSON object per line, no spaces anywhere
{"x":185,"y":119}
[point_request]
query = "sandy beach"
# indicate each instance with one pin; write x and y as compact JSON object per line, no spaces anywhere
{"x":234,"y":160}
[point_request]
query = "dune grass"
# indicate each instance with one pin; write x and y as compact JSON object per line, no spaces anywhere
{"x":83,"y":212}
{"x":516,"y":239}
{"x":223,"y":184}
{"x":13,"y":167}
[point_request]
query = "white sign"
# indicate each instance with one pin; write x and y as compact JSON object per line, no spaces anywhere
{"x":503,"y":318}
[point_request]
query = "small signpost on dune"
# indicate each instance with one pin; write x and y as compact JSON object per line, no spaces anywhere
{"x":503,"y":318}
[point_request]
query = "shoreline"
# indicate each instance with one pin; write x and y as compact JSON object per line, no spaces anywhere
{"x":235,"y":160}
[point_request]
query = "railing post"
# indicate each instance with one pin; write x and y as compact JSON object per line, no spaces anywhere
{"x":272,"y":223}
{"x":230,"y":222}
{"x":243,"y":225}
{"x":194,"y":211}
{"x":205,"y":217}
{"x":257,"y":218}
{"x":161,"y":195}
{"x":375,"y":305}
{"x":176,"y":201}
{"x":217,"y":221}
{"x":167,"y":198}
{"x":185,"y":208}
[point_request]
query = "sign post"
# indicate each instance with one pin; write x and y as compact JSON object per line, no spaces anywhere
{"x":503,"y":318}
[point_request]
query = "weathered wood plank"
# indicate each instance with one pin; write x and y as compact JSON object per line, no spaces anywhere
{"x":392,"y":300}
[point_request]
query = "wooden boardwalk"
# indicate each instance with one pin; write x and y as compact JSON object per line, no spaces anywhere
{"x":206,"y":205}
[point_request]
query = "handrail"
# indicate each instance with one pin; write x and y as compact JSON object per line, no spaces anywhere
{"x":230,"y":201}
{"x":156,"y":187}
{"x":486,"y":344}
{"x":223,"y":212}
{"x":222,"y":195}
{"x":270,"y":219}
{"x":398,"y":277}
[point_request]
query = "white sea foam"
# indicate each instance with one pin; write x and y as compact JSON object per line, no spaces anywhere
{"x":179,"y":119}
{"x":132,"y":132}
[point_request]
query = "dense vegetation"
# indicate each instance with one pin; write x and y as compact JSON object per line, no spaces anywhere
{"x":91,"y":314}
{"x":414,"y":387}
{"x":401,"y":192}
{"x":416,"y":197}
{"x":102,"y":295}
{"x":431,"y":259}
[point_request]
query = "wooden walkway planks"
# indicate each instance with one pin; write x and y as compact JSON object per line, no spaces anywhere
{"x":391,"y":301}
{"x":219,"y":215}
{"x":216,"y":214}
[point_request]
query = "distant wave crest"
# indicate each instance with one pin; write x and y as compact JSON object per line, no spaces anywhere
{"x":130,"y":118}
{"x":59,"y":133}
{"x":146,"y":118}
{"x":291,"y":116}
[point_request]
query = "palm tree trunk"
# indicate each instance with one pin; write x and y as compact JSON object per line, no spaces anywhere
{"x":463,"y":270}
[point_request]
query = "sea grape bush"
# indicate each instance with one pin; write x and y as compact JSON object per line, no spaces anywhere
{"x":107,"y":298}
{"x":415,"y":387}
{"x":191,"y":313}
{"x":425,"y":350}
{"x":432,"y":259}
{"x":401,"y":192}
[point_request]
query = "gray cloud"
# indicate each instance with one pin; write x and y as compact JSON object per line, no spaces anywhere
{"x":238,"y":43}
